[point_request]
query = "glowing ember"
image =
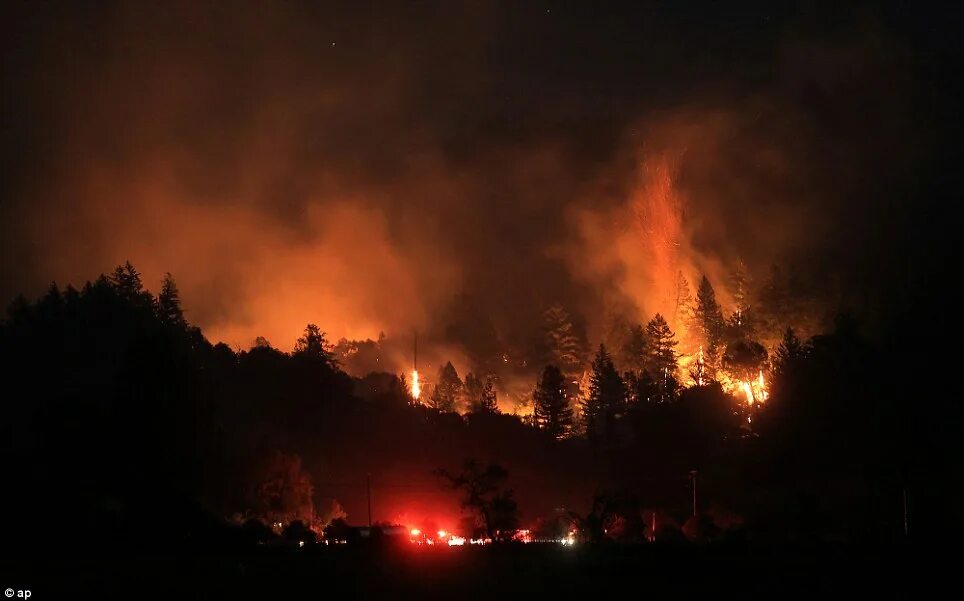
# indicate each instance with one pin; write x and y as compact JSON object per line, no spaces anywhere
{"x":416,"y":387}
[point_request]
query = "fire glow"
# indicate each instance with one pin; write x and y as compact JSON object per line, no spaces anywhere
{"x":416,"y":387}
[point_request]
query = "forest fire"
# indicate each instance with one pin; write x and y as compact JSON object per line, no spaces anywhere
{"x":416,"y":387}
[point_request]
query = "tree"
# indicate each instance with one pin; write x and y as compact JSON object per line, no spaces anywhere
{"x":552,"y":410}
{"x":740,"y":290}
{"x":607,"y":396}
{"x":480,"y":394}
{"x":790,"y":352}
{"x":660,"y":348}
{"x":563,"y":345}
{"x":683,"y":320}
{"x":641,"y":388}
{"x":708,"y":315}
{"x":744,"y":359}
{"x":169,"y":302}
{"x":285,"y":493}
{"x":483,"y":494}
{"x":314,"y":345}
{"x":448,"y":389}
{"x":127,"y":282}
{"x":661,"y":358}
{"x":634,"y":350}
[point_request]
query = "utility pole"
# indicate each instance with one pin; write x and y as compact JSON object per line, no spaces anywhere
{"x":693,"y":477}
{"x":368,"y":486}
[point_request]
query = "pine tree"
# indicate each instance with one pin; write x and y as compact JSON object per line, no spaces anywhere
{"x":662,"y":357}
{"x":169,"y":302}
{"x":552,"y":410}
{"x":314,"y":345}
{"x":447,"y":390}
{"x":480,"y":394}
{"x":708,"y":315}
{"x":607,"y":396}
{"x":127,"y":282}
{"x":661,"y":344}
{"x":741,"y":323}
{"x":634,"y":351}
{"x":683,"y":320}
{"x":563,"y":345}
{"x":789,"y":353}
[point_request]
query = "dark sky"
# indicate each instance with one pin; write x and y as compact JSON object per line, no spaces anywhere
{"x":359,"y":164}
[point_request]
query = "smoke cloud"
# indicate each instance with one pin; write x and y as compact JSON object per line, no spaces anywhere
{"x":364,"y":168}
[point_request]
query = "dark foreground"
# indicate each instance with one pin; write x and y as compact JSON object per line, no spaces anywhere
{"x":537,"y":571}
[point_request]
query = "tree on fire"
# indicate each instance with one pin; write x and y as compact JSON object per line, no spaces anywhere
{"x":740,"y":321}
{"x":551,"y":408}
{"x":564,"y":347}
{"x":745,"y":359}
{"x":447,"y":391}
{"x":683,"y":319}
{"x":606,"y":398}
{"x":483,"y":494}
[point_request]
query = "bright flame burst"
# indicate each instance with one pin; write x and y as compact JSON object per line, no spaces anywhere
{"x":416,"y":387}
{"x":755,"y":391}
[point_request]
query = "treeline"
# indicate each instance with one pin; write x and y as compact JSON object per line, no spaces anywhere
{"x":126,"y":418}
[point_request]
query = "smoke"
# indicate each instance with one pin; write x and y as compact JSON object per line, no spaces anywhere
{"x":370,"y":170}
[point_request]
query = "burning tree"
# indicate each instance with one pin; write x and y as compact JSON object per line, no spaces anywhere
{"x":683,"y":320}
{"x":484,"y":496}
{"x":562,"y":343}
{"x":552,"y":410}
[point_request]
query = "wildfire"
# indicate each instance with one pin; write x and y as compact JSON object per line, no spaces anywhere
{"x":416,"y":387}
{"x":755,"y":391}
{"x":748,"y":392}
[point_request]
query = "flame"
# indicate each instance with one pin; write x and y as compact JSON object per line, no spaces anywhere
{"x":764,"y":395}
{"x":748,"y":392}
{"x":416,"y":387}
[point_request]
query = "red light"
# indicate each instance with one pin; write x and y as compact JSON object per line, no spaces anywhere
{"x":415,"y":531}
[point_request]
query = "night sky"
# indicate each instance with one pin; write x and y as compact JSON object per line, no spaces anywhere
{"x":361,"y":164}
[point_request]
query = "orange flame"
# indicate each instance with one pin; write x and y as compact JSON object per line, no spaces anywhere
{"x":416,"y":387}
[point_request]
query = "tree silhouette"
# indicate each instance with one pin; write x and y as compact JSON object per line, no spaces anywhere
{"x":315,"y":346}
{"x":635,"y":350}
{"x":169,"y":302}
{"x":790,"y":352}
{"x":606,"y":398}
{"x":447,"y":390}
{"x":551,"y":408}
{"x":480,"y":394}
{"x":708,"y":314}
{"x":483,"y":494}
{"x":563,"y":345}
